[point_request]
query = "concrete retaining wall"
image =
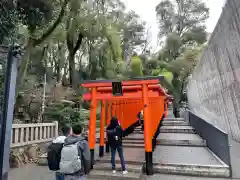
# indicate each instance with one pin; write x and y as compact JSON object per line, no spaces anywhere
{"x":214,"y":89}
{"x":217,"y":141}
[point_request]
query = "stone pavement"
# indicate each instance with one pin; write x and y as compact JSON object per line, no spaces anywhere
{"x":184,"y":155}
{"x":34,"y":172}
{"x":178,"y":177}
{"x":31,"y":172}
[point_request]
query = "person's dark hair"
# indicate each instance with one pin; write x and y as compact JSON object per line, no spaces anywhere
{"x":77,"y":128}
{"x":66,"y":130}
{"x":114,"y":122}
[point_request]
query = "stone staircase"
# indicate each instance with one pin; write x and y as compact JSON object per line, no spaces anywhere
{"x":102,"y":170}
{"x":181,"y":151}
{"x":134,"y":158}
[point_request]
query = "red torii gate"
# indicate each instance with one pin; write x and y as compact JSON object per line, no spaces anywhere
{"x":143,"y":93}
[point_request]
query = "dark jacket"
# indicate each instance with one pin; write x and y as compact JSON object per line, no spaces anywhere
{"x":84,"y":148}
{"x":114,"y":133}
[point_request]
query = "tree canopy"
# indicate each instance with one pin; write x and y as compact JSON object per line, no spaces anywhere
{"x":182,"y":23}
{"x":67,"y":41}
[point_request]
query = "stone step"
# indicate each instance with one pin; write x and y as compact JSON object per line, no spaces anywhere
{"x":133,"y":156}
{"x":135,"y":141}
{"x":195,"y":143}
{"x":108,"y":175}
{"x":137,"y":131}
{"x":134,"y":163}
{"x":127,"y":160}
{"x":177,"y":129}
{"x":164,"y":142}
{"x":133,"y":145}
{"x":129,"y":167}
{"x":175,"y":123}
{"x":180,"y":139}
{"x":157,"y":176}
{"x":170,"y":123}
{"x":174,"y":119}
{"x":171,"y":130}
{"x":133,"y":137}
{"x":193,"y":170}
{"x":195,"y":161}
{"x":170,"y":143}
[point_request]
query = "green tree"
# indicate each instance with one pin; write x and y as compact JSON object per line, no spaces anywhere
{"x":136,"y":67}
{"x":41,"y":22}
{"x":182,"y":23}
{"x":133,"y":32}
{"x":181,"y":16}
{"x":3,"y":57}
{"x":8,"y":21}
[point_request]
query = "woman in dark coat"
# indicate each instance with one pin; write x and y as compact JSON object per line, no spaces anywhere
{"x":115,"y":135}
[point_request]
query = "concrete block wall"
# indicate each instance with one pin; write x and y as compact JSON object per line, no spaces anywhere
{"x":214,"y":88}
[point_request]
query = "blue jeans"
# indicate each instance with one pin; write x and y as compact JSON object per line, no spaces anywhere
{"x":120,"y":153}
{"x":59,"y":177}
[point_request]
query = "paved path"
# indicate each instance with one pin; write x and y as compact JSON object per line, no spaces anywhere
{"x":31,"y":172}
{"x":34,"y":172}
{"x":178,"y":177}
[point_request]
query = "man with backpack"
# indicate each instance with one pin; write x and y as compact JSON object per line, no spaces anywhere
{"x":54,"y":152}
{"x":115,"y":135}
{"x":75,"y":156}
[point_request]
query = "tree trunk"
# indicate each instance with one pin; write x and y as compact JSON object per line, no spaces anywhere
{"x":176,"y":103}
{"x":24,"y":64}
{"x":176,"y":108}
{"x":72,"y":70}
{"x":58,"y":73}
{"x":60,"y":62}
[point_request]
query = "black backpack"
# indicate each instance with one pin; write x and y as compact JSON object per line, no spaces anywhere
{"x":112,"y":137}
{"x":54,"y":156}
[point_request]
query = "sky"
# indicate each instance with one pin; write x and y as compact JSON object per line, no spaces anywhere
{"x":146,"y":10}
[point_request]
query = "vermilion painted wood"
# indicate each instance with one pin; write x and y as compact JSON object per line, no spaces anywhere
{"x":127,"y":107}
{"x":109,"y":96}
{"x":102,"y":122}
{"x":137,"y":87}
{"x":124,"y":83}
{"x":92,"y":122}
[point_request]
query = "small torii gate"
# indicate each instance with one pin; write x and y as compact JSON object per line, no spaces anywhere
{"x":124,"y":100}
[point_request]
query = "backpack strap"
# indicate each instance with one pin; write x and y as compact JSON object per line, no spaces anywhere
{"x":80,"y":150}
{"x":80,"y":154}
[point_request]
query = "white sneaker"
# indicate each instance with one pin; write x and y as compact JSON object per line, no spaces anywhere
{"x":114,"y":171}
{"x":125,"y":172}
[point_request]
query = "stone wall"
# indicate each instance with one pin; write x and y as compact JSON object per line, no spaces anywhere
{"x":214,"y":88}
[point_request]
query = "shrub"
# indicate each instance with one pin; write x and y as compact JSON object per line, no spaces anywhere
{"x":66,"y":114}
